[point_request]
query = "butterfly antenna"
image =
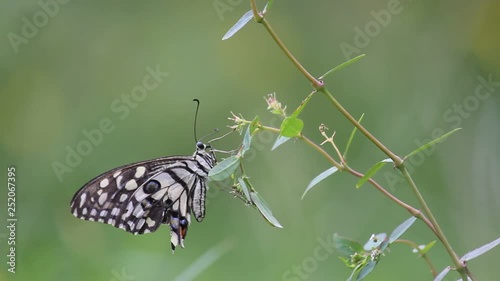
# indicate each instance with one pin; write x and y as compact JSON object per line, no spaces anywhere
{"x":196,"y":118}
{"x":223,"y":136}
{"x":215,"y":131}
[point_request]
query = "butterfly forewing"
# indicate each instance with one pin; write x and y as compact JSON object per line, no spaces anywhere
{"x":139,"y":197}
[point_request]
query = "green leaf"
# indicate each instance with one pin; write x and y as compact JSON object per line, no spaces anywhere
{"x":402,"y":228}
{"x":345,"y":246}
{"x":224,"y":169}
{"x":268,"y":6}
{"x":264,"y":209}
{"x":481,"y":250}
{"x":356,"y":269}
{"x":247,"y":140}
{"x":384,"y":245}
{"x":244,"y":187}
{"x":319,"y":178}
{"x":372,"y":171}
{"x":279,"y":141}
{"x":351,"y":137}
{"x":291,"y":127}
{"x":369,"y":267}
{"x":342,"y":65}
{"x":240,"y":24}
{"x":431,"y":143}
{"x":426,"y":248}
{"x":302,"y":105}
{"x":375,"y":241}
{"x":442,"y":274}
{"x":254,"y":125}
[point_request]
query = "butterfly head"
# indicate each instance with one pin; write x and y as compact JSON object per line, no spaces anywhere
{"x":205,"y":151}
{"x":201,"y":146}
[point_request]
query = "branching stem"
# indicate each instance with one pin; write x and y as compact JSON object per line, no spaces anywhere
{"x":318,"y":85}
{"x":424,"y":255}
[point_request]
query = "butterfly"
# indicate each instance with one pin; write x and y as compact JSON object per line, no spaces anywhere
{"x":139,"y":197}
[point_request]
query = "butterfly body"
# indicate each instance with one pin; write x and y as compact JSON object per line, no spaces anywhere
{"x":139,"y":197}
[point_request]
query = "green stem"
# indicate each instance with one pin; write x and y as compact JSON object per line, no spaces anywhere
{"x":439,"y":233}
{"x":394,"y":157}
{"x":424,"y":255}
{"x":412,"y":210}
{"x":399,"y":163}
{"x":317,"y":84}
{"x":470,"y":274}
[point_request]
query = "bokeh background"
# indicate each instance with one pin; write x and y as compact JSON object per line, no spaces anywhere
{"x":63,"y":75}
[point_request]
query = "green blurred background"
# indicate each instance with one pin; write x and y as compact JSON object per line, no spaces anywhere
{"x":421,"y":66}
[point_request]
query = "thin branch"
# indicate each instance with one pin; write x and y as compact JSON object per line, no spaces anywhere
{"x":342,"y":167}
{"x":397,"y":161}
{"x":439,"y":233}
{"x":424,"y":255}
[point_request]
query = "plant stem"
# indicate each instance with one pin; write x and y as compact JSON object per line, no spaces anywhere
{"x":398,"y":162}
{"x":412,"y":210}
{"x":470,"y":274}
{"x":439,"y":233}
{"x":319,"y":85}
{"x":424,"y":255}
{"x":260,"y":19}
{"x":394,"y":157}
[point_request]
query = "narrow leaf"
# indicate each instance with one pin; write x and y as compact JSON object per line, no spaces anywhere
{"x":342,"y":65}
{"x":442,"y":274}
{"x":247,"y":140}
{"x":431,"y":143}
{"x":356,"y":269}
{"x":302,"y":105}
{"x":244,"y":187}
{"x":264,"y":209}
{"x":369,"y":267}
{"x":224,"y":169}
{"x":240,"y":24}
{"x":427,"y":248}
{"x":291,"y":127}
{"x":346,"y":247}
{"x":268,"y":6}
{"x":351,"y":137}
{"x":481,"y":250}
{"x":372,"y":171}
{"x":384,"y":245}
{"x":402,"y":228}
{"x":319,"y":178}
{"x":254,"y":125}
{"x":279,"y":141}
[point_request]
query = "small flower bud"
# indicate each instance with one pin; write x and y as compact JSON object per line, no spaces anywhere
{"x":274,"y":105}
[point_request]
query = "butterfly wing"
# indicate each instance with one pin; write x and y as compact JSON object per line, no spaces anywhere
{"x":141,"y":196}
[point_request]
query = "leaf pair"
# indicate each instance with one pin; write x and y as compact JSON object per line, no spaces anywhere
{"x":227,"y":168}
{"x":363,"y":259}
{"x":469,"y":256}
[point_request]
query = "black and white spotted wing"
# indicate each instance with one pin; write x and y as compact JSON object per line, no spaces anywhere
{"x":139,"y":197}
